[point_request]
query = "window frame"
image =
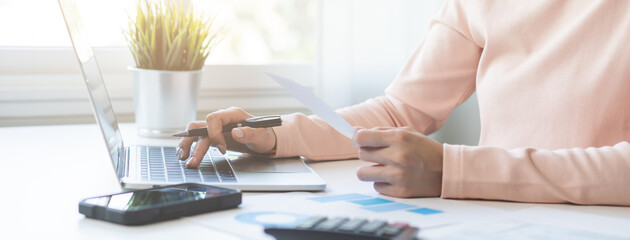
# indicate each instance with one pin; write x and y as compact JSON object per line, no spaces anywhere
{"x":44,"y":85}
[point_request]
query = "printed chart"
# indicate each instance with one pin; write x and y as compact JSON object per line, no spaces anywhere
{"x":375,"y":204}
{"x":287,"y":209}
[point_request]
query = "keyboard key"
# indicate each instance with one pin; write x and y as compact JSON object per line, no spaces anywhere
{"x":194,"y":179}
{"x":168,"y":150}
{"x":209,"y":174}
{"x":210,"y":178}
{"x":223,"y":167}
{"x":172,"y":178}
{"x":214,"y":152}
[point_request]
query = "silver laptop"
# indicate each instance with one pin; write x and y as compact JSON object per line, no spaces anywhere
{"x":149,"y":166}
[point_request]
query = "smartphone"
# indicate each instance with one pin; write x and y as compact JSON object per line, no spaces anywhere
{"x":159,"y":204}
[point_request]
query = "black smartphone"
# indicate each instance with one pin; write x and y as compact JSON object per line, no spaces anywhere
{"x":159,"y":204}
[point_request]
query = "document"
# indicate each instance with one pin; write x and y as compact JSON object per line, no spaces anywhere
{"x":319,"y":108}
{"x":536,"y":223}
{"x":288,"y":209}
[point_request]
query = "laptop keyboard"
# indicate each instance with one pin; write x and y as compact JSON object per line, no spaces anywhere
{"x":160,"y":164}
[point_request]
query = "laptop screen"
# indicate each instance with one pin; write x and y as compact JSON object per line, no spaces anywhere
{"x":96,"y":87}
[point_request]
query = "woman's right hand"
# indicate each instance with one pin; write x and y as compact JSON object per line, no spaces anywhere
{"x":259,"y":140}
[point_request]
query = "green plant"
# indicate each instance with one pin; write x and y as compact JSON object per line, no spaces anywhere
{"x":165,"y":36}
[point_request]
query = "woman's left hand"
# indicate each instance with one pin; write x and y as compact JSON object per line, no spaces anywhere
{"x":408,"y":163}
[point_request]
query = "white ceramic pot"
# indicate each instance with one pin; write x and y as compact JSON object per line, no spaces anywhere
{"x":164,"y":101}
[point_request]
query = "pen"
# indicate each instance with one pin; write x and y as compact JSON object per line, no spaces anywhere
{"x":255,"y":122}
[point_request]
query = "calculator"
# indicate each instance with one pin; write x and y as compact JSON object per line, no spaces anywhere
{"x":338,"y":228}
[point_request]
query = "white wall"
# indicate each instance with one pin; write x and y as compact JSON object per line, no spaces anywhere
{"x":364,"y":45}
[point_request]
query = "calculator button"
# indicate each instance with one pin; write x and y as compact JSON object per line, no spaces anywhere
{"x":391,"y":230}
{"x":330,"y":224}
{"x":319,"y":227}
{"x":352,"y":225}
{"x":309,"y":223}
{"x":372,"y":227}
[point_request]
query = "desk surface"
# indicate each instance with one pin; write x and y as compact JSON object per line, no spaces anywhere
{"x":49,"y":169}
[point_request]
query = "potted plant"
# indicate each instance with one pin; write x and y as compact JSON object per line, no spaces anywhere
{"x":169,"y":44}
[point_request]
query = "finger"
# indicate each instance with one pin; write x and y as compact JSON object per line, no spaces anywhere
{"x":218,"y":119}
{"x":374,"y":173}
{"x":384,"y":188}
{"x":373,"y":137}
{"x":377,"y":155}
{"x":257,"y":139}
{"x":185,"y":144}
{"x":183,"y":148}
{"x":198,"y":153}
{"x":396,"y":190}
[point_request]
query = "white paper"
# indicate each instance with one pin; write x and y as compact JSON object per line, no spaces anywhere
{"x":319,"y":108}
{"x":537,"y":223}
{"x":288,"y":207}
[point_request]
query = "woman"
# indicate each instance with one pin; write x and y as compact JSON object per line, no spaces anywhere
{"x":553,"y":83}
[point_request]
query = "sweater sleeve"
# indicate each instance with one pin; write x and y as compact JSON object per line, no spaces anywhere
{"x":576,"y":175}
{"x":438,"y":77}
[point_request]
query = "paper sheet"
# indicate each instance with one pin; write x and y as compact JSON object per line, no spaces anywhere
{"x":289,"y":208}
{"x":319,"y":108}
{"x":537,"y":223}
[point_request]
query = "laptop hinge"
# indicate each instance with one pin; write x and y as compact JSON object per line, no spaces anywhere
{"x":123,"y":168}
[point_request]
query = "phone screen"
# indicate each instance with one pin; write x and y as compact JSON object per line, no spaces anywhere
{"x":152,"y":198}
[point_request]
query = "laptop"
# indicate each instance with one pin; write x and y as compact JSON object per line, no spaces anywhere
{"x":148,"y":166}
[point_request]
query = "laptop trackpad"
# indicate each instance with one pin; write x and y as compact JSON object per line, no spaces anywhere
{"x":257,"y":164}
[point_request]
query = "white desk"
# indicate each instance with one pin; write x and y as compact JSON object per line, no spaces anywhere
{"x":48,"y":169}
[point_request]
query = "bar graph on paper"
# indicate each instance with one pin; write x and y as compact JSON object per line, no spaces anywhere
{"x":297,"y":207}
{"x":288,"y":209}
{"x":375,"y":204}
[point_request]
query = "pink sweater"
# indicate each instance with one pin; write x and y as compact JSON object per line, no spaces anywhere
{"x":553,"y":83}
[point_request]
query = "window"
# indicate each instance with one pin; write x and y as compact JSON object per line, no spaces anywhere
{"x":40,"y":81}
{"x":346,"y":50}
{"x":262,"y":31}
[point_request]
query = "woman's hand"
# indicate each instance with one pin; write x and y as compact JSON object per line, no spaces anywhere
{"x":259,"y":140}
{"x":408,"y":163}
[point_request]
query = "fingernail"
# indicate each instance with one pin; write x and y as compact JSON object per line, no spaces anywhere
{"x":188,"y":163}
{"x":354,"y":138}
{"x":221,"y":148}
{"x":239,"y":133}
{"x":180,"y":153}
